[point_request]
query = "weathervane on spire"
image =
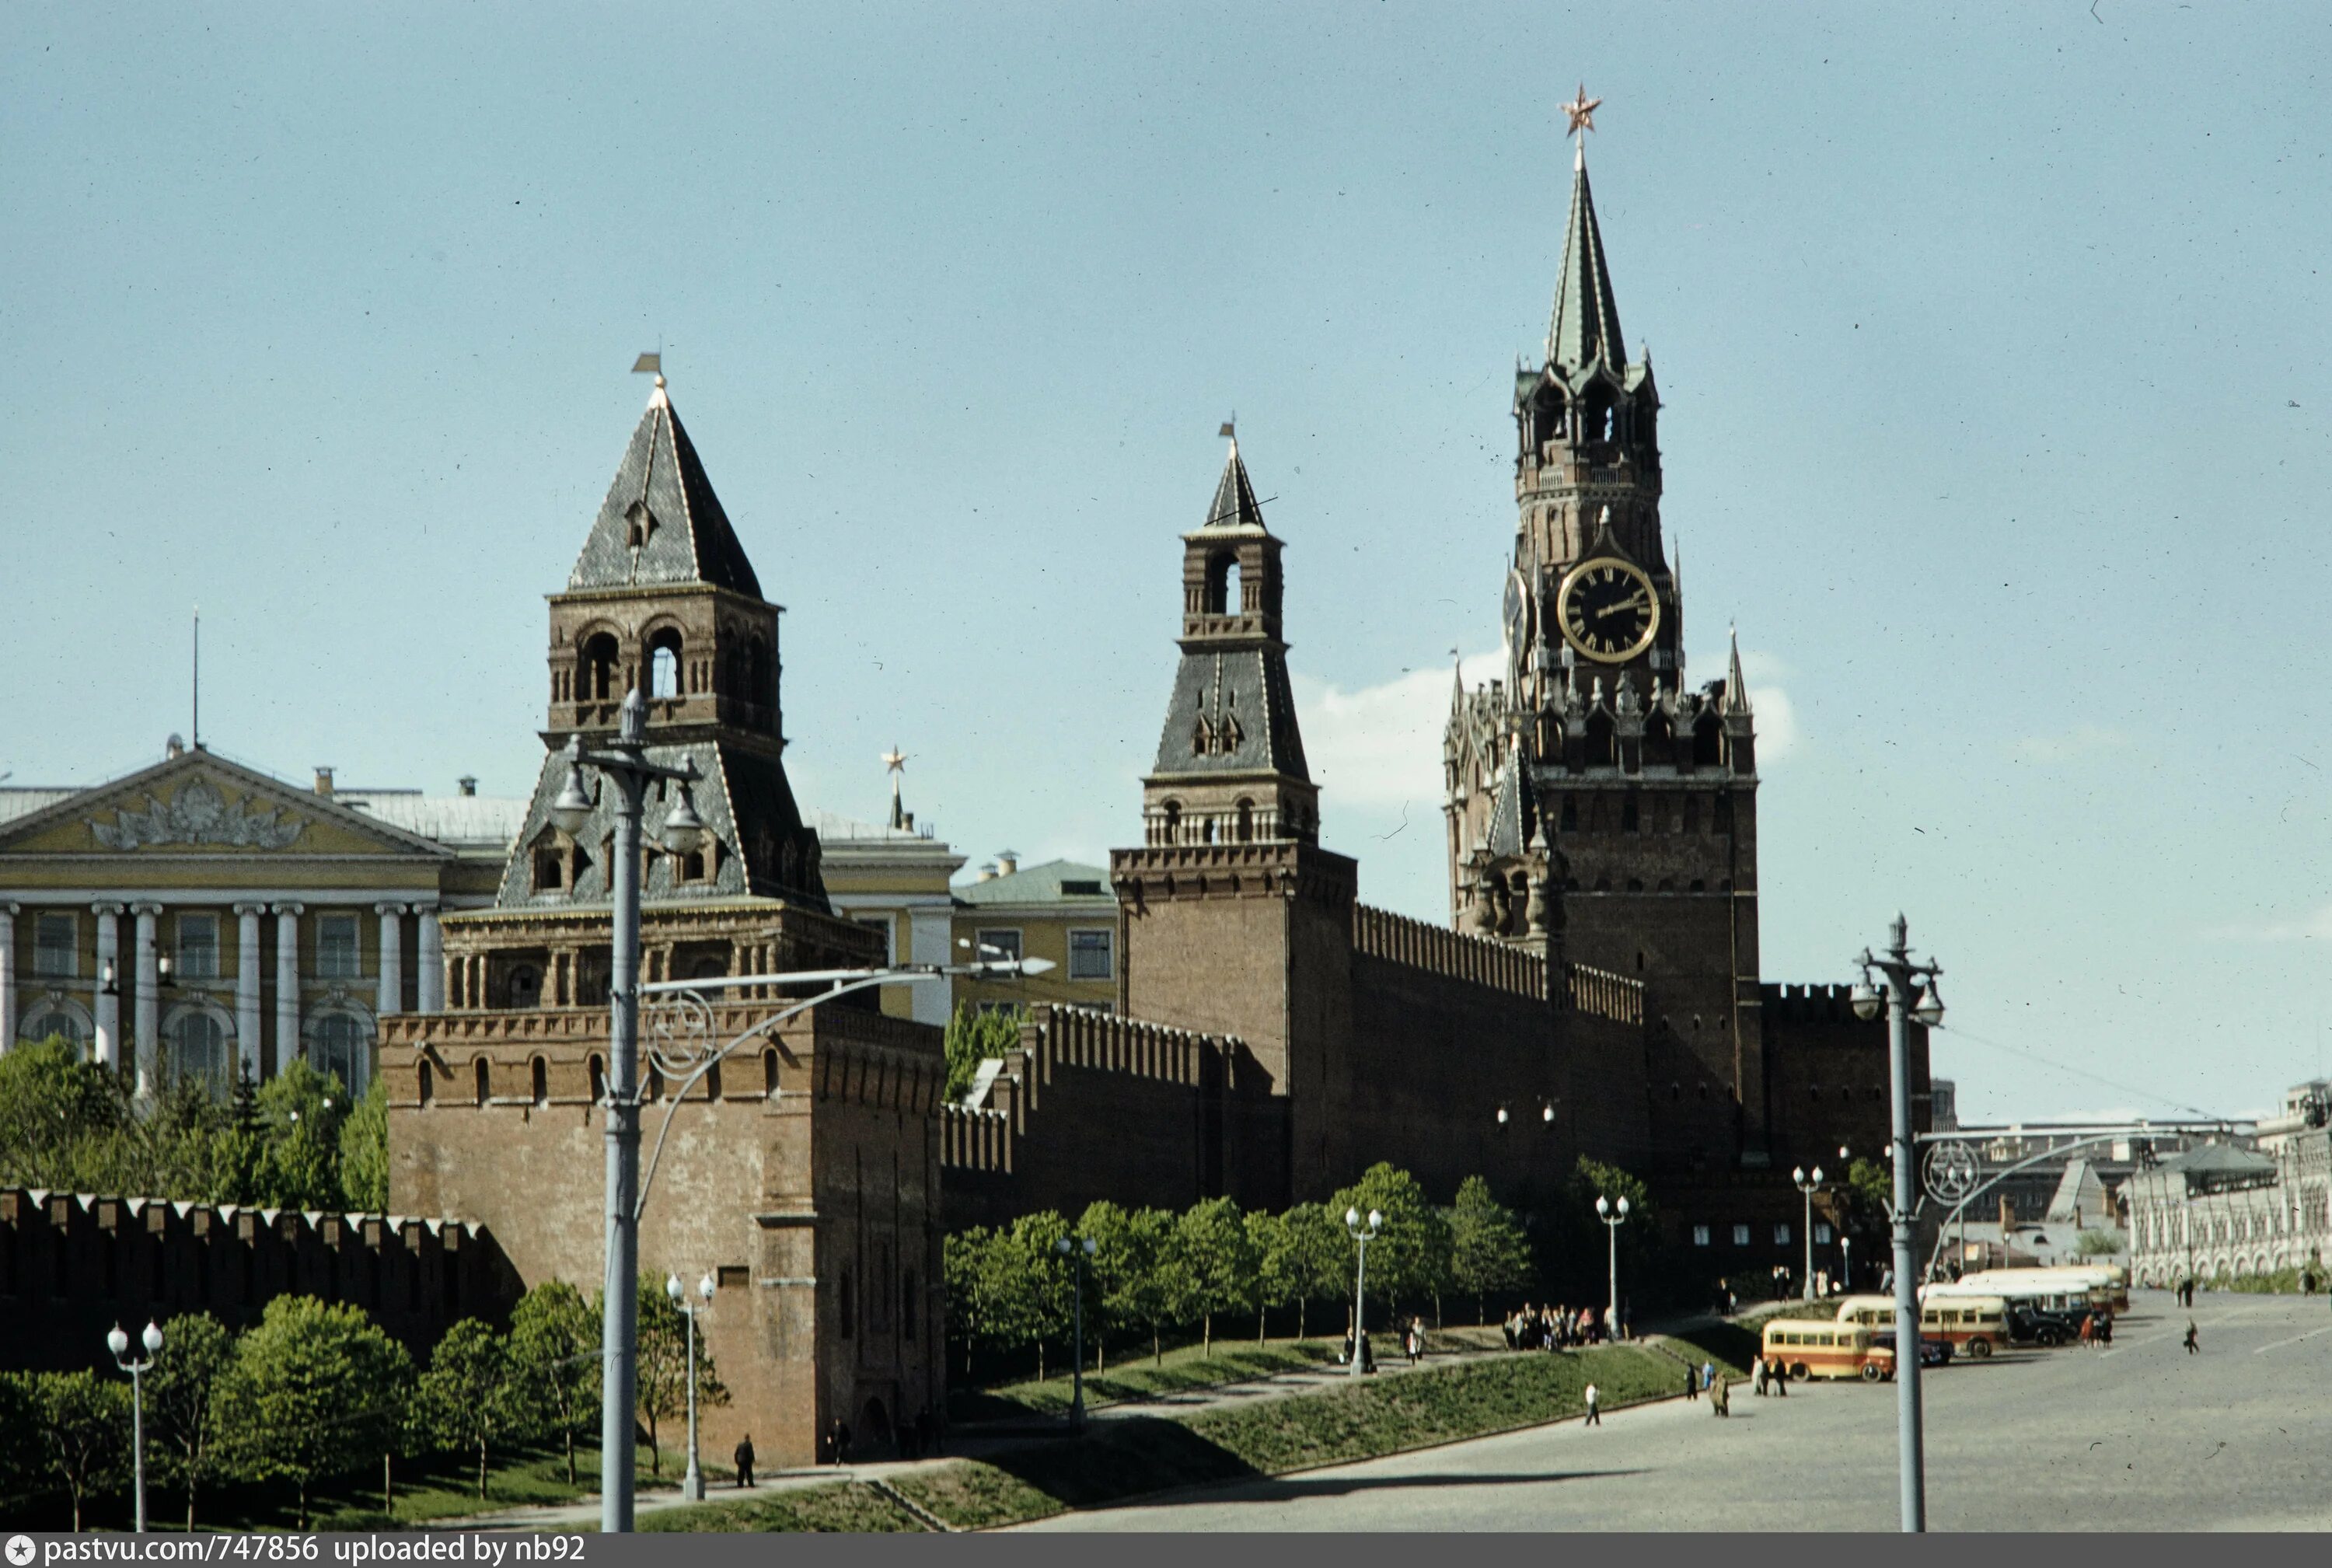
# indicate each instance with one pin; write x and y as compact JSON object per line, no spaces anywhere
{"x":1581,"y":111}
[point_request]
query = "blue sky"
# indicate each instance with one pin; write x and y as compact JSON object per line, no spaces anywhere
{"x":1993,"y":340}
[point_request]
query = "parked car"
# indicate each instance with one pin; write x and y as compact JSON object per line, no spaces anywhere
{"x":2036,"y":1326}
{"x":1932,"y":1352}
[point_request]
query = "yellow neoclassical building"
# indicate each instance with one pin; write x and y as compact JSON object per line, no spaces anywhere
{"x":1063,"y":910}
{"x":200,"y":916}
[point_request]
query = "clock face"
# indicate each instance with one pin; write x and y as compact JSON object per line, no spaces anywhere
{"x":1516,"y":613}
{"x":1608,"y":609}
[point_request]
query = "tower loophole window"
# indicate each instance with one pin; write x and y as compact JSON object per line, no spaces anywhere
{"x":595,"y":669}
{"x":1245,"y":821}
{"x":541,"y":1074}
{"x":485,"y":1080}
{"x":664,"y":663}
{"x":1223,"y":585}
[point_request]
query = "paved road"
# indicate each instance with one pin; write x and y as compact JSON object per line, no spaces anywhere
{"x":2142,"y":1437}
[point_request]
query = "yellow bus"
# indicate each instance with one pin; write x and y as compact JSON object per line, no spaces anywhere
{"x":1799,"y":1348}
{"x":1974,"y":1324}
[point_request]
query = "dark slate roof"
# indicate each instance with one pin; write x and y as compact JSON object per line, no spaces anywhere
{"x":1045,"y":884}
{"x":1506,"y":828}
{"x":1244,"y":687}
{"x":1586,"y":321}
{"x":1235,"y":506}
{"x":743,"y":800}
{"x":689,"y":539}
{"x":2218,"y":1160}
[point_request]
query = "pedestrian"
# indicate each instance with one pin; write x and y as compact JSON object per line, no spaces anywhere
{"x":1610,"y":1323}
{"x":1757,"y":1376}
{"x":745,"y":1456}
{"x":2191,"y":1346}
{"x":1720,"y":1393}
{"x":1779,"y":1378}
{"x":2105,"y":1329}
{"x":1708,"y":1374}
{"x":838,"y":1440}
{"x":2089,"y":1334}
{"x":1691,"y":1383}
{"x":1594,"y":1408}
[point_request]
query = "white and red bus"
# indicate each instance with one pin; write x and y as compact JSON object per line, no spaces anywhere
{"x":1973,"y":1325}
{"x":1799,"y":1348}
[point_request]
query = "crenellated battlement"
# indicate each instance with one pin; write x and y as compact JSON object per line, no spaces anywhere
{"x":71,"y":1260}
{"x":972,"y":1138}
{"x":1599,"y":993}
{"x":1397,"y":939}
{"x":1830,"y":1003}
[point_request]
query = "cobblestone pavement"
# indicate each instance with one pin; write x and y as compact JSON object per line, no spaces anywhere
{"x":2141,"y":1437}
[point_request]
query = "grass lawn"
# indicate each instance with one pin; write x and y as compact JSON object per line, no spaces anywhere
{"x":1139,"y":1455}
{"x":1183,"y":1367}
{"x":850,"y":1506}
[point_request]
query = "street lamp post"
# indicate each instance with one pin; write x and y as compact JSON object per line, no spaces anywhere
{"x":119,"y":1343}
{"x":1362,"y":1237}
{"x":691,"y":1484}
{"x":1614,"y":1215}
{"x":1808,"y":1186}
{"x":1077,"y":1248}
{"x":1909,"y":992}
{"x":625,"y":765}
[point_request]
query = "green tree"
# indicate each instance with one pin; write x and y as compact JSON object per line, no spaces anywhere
{"x":1410,"y":1258}
{"x":299,"y":1115}
{"x":364,"y":1152}
{"x":555,"y":1343}
{"x":52,"y":1104}
{"x":473,"y":1392}
{"x":973,"y":1315}
{"x":972,"y":1037}
{"x":316,"y":1391}
{"x":1031,"y":1281}
{"x":1320,"y":1256}
{"x":1488,"y":1252}
{"x":1133,"y":1268}
{"x":2098,"y":1244}
{"x":661,"y":1376}
{"x":82,"y":1425}
{"x":184,"y":1394}
{"x":1276,"y":1278}
{"x":1215,"y":1262}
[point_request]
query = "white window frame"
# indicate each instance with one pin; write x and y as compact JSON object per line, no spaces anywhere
{"x":980,"y":939}
{"x":197,"y":920}
{"x":355,"y":970}
{"x":1108,"y":934}
{"x":1741,"y":1236}
{"x":1700,"y":1236}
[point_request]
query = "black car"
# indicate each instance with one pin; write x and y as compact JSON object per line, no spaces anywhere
{"x":1932,"y":1352}
{"x":2036,"y":1326}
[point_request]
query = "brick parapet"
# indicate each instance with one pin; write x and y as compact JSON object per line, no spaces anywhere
{"x":1397,"y":939}
{"x":1599,"y":993}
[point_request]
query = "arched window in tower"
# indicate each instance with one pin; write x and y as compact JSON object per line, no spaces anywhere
{"x":663,"y":663}
{"x":1223,"y":584}
{"x":1708,"y":742}
{"x":538,"y":1071}
{"x":1170,"y":826}
{"x":1660,"y":736}
{"x":595,"y":669}
{"x":485,"y":1080}
{"x":762,"y":686}
{"x":1602,"y":741}
{"x":1547,"y":417}
{"x":1246,"y":821}
{"x":1596,"y":415}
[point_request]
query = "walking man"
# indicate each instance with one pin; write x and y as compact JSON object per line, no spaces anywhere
{"x":1720,"y":1396}
{"x":745,"y":1456}
{"x":2191,"y":1346}
{"x":1594,"y":1408}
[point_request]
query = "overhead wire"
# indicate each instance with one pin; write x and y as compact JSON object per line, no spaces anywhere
{"x":2114,"y":1084}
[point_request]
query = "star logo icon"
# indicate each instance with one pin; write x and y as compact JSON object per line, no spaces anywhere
{"x":21,"y":1550}
{"x":1581,"y":110}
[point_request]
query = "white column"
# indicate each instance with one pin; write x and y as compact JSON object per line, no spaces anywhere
{"x":107,"y":1046}
{"x":287,"y":984}
{"x":8,"y":913}
{"x":429,"y":984}
{"x":246,"y":986}
{"x":391,"y":996}
{"x":148,"y":1002}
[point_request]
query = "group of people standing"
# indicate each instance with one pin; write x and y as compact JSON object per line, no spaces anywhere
{"x":1560,"y":1327}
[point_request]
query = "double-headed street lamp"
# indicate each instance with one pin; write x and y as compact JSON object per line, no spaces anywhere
{"x":1909,"y":992}
{"x":625,"y":764}
{"x":692,"y":1485}
{"x":1614,"y":1215}
{"x":1361,"y":1236}
{"x":119,"y":1343}
{"x":1077,"y":1248}
{"x":1808,"y":1186}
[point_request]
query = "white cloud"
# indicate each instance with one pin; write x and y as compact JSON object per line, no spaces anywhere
{"x":2314,"y":926}
{"x":1381,"y":746}
{"x":2081,"y":740}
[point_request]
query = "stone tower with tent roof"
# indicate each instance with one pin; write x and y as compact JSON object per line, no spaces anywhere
{"x":801,"y":1174}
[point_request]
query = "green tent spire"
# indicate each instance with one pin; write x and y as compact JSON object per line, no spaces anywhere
{"x":1586,"y":322}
